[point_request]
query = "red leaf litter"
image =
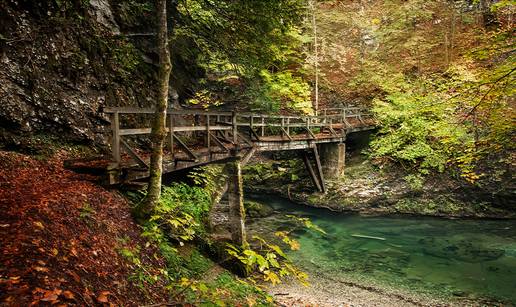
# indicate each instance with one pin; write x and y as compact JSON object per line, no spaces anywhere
{"x":56,"y":252}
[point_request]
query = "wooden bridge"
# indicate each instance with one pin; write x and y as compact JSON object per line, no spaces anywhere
{"x":196,"y":138}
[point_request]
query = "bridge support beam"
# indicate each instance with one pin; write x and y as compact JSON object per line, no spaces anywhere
{"x":333,"y":159}
{"x":236,"y":202}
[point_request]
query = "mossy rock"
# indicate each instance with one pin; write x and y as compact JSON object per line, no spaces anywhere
{"x":255,"y":209}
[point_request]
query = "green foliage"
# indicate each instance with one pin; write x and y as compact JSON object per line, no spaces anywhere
{"x":242,"y":51}
{"x":268,"y":260}
{"x":415,"y":181}
{"x":225,"y":290}
{"x":209,"y":177}
{"x":87,"y":211}
{"x":416,"y":126}
{"x":142,"y":274}
{"x":460,"y":120}
{"x":127,"y":57}
{"x":182,"y":211}
{"x":283,"y":89}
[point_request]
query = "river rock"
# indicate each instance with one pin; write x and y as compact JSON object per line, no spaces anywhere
{"x":460,"y":250}
{"x":255,"y":209}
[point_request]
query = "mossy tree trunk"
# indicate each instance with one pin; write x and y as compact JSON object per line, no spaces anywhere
{"x":158,"y":132}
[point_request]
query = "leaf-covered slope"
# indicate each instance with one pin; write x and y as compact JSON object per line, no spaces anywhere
{"x":61,"y":238}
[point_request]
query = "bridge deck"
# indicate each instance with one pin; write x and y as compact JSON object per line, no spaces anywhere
{"x":197,"y":137}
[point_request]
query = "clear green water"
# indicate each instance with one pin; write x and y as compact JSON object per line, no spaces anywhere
{"x":442,"y":257}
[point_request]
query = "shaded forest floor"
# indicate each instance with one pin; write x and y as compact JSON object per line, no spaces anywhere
{"x":61,"y":235}
{"x":65,"y":240}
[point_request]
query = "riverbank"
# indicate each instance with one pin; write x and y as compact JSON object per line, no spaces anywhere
{"x":393,"y":260}
{"x":330,"y":292}
{"x":368,"y":190}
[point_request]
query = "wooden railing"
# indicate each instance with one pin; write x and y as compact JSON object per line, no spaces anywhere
{"x":225,"y":129}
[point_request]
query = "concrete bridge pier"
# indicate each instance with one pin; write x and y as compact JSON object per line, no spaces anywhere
{"x":333,"y":159}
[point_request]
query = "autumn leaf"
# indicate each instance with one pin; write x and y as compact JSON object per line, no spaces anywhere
{"x":68,"y":295}
{"x":103,"y":297}
{"x":294,"y":245}
{"x":40,"y":269}
{"x":75,"y":276}
{"x":51,"y":295}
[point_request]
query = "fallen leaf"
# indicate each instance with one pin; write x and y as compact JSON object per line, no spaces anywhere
{"x":103,"y":297}
{"x":75,"y":276}
{"x":68,"y":295}
{"x":39,"y":225}
{"x":73,"y":251}
{"x":40,"y":269}
{"x":55,"y":251}
{"x":51,"y":295}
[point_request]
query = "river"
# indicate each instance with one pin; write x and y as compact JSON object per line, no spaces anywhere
{"x":435,"y":257}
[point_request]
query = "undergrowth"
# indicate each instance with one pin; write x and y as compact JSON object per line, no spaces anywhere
{"x":176,"y":230}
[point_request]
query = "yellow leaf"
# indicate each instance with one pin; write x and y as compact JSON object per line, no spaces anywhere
{"x":294,"y":245}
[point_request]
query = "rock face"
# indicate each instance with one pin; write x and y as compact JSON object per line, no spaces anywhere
{"x":59,"y":65}
{"x":101,"y":9}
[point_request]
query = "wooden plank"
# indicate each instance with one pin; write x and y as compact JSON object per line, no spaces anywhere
{"x":218,"y":142}
{"x":245,"y":139}
{"x":286,"y":133}
{"x":330,"y":127}
{"x":135,"y":110}
{"x":253,"y":133}
{"x":185,"y":148}
{"x":139,"y":131}
{"x":134,"y":155}
{"x":312,"y":135}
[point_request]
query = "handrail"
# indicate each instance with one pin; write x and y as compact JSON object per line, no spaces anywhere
{"x":229,"y":126}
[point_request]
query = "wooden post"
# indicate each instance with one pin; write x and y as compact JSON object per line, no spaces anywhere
{"x":319,"y":168}
{"x":263,"y":126}
{"x":313,"y":177}
{"x":171,"y":138}
{"x":282,"y":126}
{"x":251,"y":126}
{"x":115,"y":142}
{"x":236,"y":202}
{"x":288,"y":125}
{"x":235,"y":127}
{"x":208,"y":135}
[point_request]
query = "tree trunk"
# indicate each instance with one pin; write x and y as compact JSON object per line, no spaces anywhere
{"x":158,"y":132}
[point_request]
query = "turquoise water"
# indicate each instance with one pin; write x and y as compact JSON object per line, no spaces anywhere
{"x":475,"y":259}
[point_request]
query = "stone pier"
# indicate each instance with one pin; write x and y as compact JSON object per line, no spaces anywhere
{"x":236,"y":202}
{"x":333,"y":159}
